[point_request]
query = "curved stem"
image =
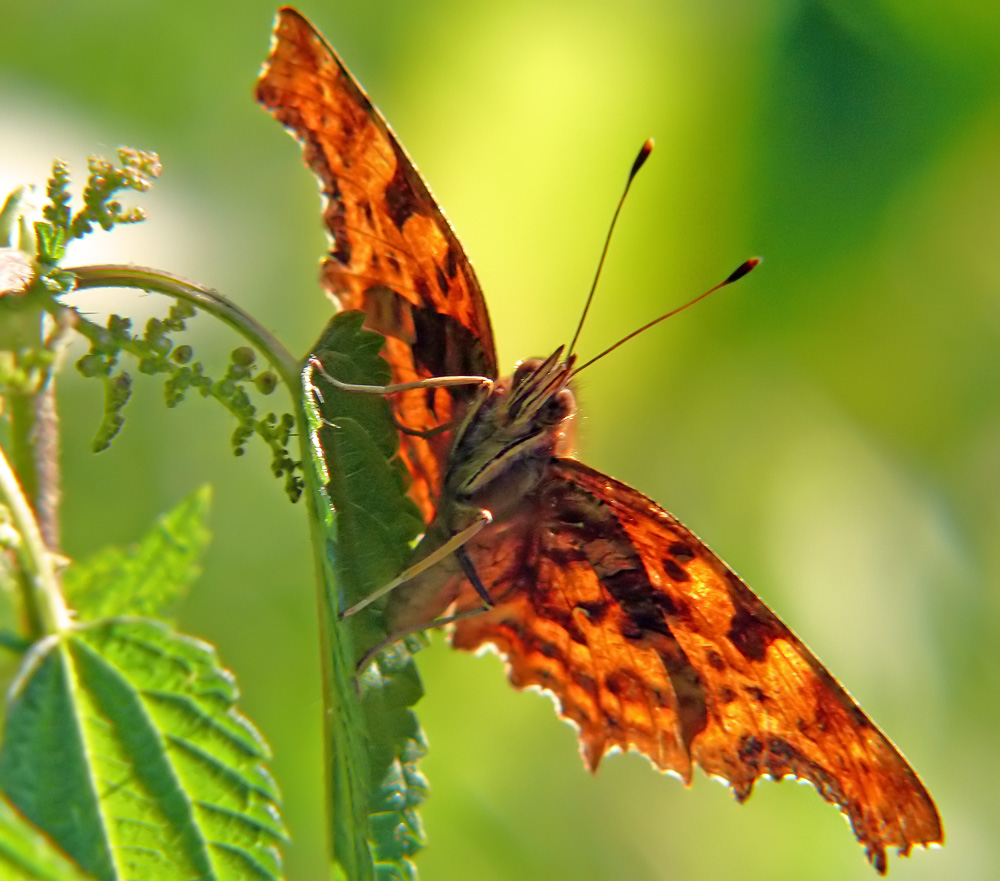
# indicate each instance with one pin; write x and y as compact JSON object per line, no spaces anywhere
{"x":206,"y":299}
{"x":43,"y":603}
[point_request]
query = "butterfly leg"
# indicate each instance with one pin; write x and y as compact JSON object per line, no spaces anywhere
{"x":453,"y":545}
{"x":371,"y":654}
{"x":384,"y":390}
{"x":424,"y":432}
{"x":430,"y":382}
{"x":456,"y":545}
{"x":469,"y":570}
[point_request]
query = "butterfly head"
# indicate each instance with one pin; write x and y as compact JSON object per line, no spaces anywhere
{"x":501,"y":451}
{"x":538,"y":391}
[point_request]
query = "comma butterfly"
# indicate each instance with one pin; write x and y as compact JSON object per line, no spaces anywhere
{"x":598,"y":595}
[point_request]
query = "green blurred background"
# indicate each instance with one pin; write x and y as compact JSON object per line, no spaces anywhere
{"x":831,"y":425}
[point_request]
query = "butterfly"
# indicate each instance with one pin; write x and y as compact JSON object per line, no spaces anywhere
{"x":596,"y":594}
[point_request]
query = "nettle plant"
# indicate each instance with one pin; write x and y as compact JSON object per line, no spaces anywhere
{"x":124,"y":754}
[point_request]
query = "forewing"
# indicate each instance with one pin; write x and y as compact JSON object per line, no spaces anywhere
{"x":393,"y":254}
{"x":649,"y":641}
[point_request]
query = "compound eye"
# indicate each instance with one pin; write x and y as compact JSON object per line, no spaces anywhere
{"x":524,"y":370}
{"x":557,"y":408}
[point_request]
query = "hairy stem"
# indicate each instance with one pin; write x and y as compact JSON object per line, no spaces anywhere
{"x":46,"y":432}
{"x":43,"y":602}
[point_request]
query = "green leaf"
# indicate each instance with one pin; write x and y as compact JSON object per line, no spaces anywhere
{"x":26,"y":854}
{"x":124,"y":745}
{"x":146,"y":578}
{"x":51,"y":242}
{"x":374,"y":736}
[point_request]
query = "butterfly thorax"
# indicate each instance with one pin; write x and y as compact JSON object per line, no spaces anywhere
{"x":499,"y":457}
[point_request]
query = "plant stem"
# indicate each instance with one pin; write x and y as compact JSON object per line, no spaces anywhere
{"x":206,"y":299}
{"x":43,"y":602}
{"x":46,"y":433}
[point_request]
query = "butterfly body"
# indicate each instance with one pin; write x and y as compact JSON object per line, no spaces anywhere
{"x":646,"y":638}
{"x":501,"y":454}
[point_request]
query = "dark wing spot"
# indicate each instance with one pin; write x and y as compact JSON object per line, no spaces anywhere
{"x":756,"y":693}
{"x":585,"y":682}
{"x":675,"y":607}
{"x":680,"y":552}
{"x":828,"y":707}
{"x":751,"y":749}
{"x":400,"y":200}
{"x":750,"y":635}
{"x":860,"y":719}
{"x":621,"y":683}
{"x":442,"y":282}
{"x":751,"y":754}
{"x":423,"y":290}
{"x":780,"y":749}
{"x":548,"y":649}
{"x":450,"y":262}
{"x":674,"y":571}
{"x":341,"y":251}
{"x":753,"y":626}
{"x":648,"y":622}
{"x":727,"y":695}
{"x":444,"y":346}
{"x":715,"y":660}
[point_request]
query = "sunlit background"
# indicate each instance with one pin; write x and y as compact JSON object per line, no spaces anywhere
{"x":831,"y":425}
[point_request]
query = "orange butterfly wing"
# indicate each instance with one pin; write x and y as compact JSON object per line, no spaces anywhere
{"x":393,"y":253}
{"x":650,"y":642}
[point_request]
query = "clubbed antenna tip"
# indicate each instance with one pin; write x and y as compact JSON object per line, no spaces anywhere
{"x":743,"y":269}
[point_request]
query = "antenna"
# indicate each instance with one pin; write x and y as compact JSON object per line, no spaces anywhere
{"x":736,"y":275}
{"x":640,"y":160}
